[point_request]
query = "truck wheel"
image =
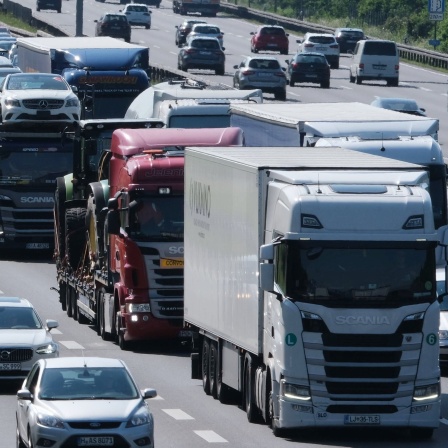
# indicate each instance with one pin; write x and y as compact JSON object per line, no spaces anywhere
{"x":212,"y":367}
{"x":223,"y":392}
{"x":101,"y":316}
{"x":59,"y":217}
{"x":253,"y":415}
{"x":75,"y":241}
{"x":63,"y":296}
{"x":95,"y":226}
{"x":205,"y":368}
{"x":68,"y":301}
{"x":278,"y":432}
{"x":123,"y":344}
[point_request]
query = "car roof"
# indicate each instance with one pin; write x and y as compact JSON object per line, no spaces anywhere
{"x":349,"y":29}
{"x":212,"y":25}
{"x":136,"y":4}
{"x":15,"y":302}
{"x":310,"y":53}
{"x":192,"y":38}
{"x":82,"y":361}
{"x":115,"y":14}
{"x":271,"y":26}
{"x":263,"y":58}
{"x":320,"y":34}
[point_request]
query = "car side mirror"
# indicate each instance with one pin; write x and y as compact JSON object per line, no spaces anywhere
{"x":287,"y":34}
{"x":299,"y":41}
{"x":252,"y":33}
{"x":222,"y":48}
{"x":236,"y":66}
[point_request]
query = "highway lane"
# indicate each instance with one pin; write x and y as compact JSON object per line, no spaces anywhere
{"x":428,"y":87}
{"x":185,"y":417}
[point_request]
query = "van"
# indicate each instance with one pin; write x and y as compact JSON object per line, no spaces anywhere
{"x":375,"y":60}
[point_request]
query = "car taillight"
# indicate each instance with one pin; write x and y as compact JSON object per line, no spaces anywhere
{"x":247,"y":72}
{"x":190,"y":51}
{"x":309,"y":45}
{"x":361,"y":66}
{"x":397,"y":67}
{"x":295,"y":65}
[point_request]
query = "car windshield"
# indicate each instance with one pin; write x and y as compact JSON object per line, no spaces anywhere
{"x":19,"y":318}
{"x":85,"y":383}
{"x":36,"y":82}
{"x":357,"y":274}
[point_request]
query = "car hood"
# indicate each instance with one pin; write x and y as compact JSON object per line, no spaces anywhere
{"x":443,"y":320}
{"x":21,"y":337}
{"x":92,"y":409}
{"x":39,"y":93}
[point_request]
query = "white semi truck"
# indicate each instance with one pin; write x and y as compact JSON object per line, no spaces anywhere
{"x":355,"y":126}
{"x":310,"y":286}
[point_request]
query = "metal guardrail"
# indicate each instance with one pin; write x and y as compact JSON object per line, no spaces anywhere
{"x":407,"y":52}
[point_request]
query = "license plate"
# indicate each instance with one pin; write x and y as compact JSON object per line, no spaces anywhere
{"x":207,"y":53}
{"x":310,"y":76}
{"x":171,"y":263}
{"x":37,"y":246}
{"x":95,"y":441}
{"x":264,"y":75}
{"x":185,"y":334}
{"x":362,"y":420}
{"x":321,"y":48}
{"x":10,"y":366}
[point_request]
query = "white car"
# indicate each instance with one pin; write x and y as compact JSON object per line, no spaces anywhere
{"x":321,"y":43}
{"x":37,"y":98}
{"x":83,"y":401}
{"x":138,"y":14}
{"x":24,"y":338}
{"x":206,"y":30}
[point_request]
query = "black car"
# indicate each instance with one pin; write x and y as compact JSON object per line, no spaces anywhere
{"x":347,"y":38}
{"x":113,"y":25}
{"x":308,"y":67}
{"x":202,"y":52}
{"x":183,"y":30}
{"x":49,"y":4}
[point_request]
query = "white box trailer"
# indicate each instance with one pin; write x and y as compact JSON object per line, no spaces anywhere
{"x":293,"y":293}
{"x":271,"y":124}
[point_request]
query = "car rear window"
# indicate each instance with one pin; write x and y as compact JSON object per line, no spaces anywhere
{"x":352,"y":34}
{"x":311,"y":59}
{"x":322,"y":39}
{"x":264,"y":64}
{"x":206,"y":29}
{"x":137,"y":8}
{"x":275,"y":31}
{"x":380,"y":48}
{"x":208,"y":44}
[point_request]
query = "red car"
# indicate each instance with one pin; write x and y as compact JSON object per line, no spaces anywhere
{"x":269,"y":38}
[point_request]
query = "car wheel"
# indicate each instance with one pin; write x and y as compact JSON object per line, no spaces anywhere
{"x":19,"y":441}
{"x":220,"y":70}
{"x":147,"y":27}
{"x":37,"y":8}
{"x":256,"y":50}
{"x":281,"y":96}
{"x":352,"y":78}
{"x":284,"y":52}
{"x":59,"y":10}
{"x":291,"y":82}
{"x":30,"y":442}
{"x":358,"y":80}
{"x":335,"y":65}
{"x":325,"y":84}
{"x":127,"y":39}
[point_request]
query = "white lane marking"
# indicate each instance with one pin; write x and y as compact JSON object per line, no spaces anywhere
{"x":444,"y":421}
{"x":425,"y":89}
{"x":72,"y":345}
{"x":293,"y":94}
{"x":211,"y":436}
{"x":346,"y":87}
{"x":1,"y":292}
{"x":178,"y":414}
{"x":56,"y":331}
{"x":158,"y":397}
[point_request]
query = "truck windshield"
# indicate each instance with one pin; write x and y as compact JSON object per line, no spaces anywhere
{"x":158,"y":219}
{"x":357,"y":274}
{"x":40,"y":167}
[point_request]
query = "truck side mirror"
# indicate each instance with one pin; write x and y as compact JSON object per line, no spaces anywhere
{"x":113,"y":222}
{"x":267,"y":277}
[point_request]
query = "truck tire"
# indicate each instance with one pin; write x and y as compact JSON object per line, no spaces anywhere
{"x":68,"y":301}
{"x":253,"y":414}
{"x":212,"y":367}
{"x":205,"y":368}
{"x":95,"y":228}
{"x":75,"y":239}
{"x":101,"y":317}
{"x":60,"y":196}
{"x":223,"y":392}
{"x":63,"y":296}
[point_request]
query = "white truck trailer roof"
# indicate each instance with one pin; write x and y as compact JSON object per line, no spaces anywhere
{"x":330,"y":120}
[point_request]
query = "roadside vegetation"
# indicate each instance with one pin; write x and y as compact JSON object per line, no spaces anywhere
{"x":11,"y":21}
{"x":403,"y":21}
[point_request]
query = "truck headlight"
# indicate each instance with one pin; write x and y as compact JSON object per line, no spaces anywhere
{"x":139,"y":308}
{"x":443,"y":334}
{"x":430,"y":392}
{"x":295,"y":391}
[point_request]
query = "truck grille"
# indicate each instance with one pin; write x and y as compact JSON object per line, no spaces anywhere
{"x":26,"y":221}
{"x":351,"y":368}
{"x":166,"y":287}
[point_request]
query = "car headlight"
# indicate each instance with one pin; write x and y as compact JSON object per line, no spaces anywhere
{"x":47,"y":349}
{"x":50,"y":421}
{"x":141,"y":417}
{"x":443,"y":335}
{"x":10,"y":102}
{"x":294,"y":391}
{"x":72,"y":102}
{"x":430,"y":392}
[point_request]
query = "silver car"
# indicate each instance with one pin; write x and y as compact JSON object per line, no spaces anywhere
{"x":321,"y":43}
{"x":24,"y":338}
{"x":261,"y":72}
{"x":83,"y":401}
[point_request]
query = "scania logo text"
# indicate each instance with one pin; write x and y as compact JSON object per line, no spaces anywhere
{"x":362,"y":320}
{"x":36,"y":200}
